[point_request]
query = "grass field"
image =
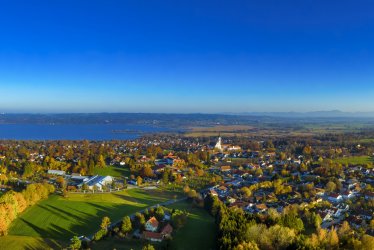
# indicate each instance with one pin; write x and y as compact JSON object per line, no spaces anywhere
{"x":26,"y":242}
{"x":198,"y":233}
{"x":112,"y":171}
{"x":225,"y":131}
{"x":355,"y":160}
{"x":60,"y":218}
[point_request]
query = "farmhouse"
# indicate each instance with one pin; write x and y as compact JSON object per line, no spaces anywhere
{"x":151,"y":225}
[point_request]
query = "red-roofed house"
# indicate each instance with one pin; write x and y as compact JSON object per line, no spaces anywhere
{"x":151,"y":225}
{"x":152,"y":236}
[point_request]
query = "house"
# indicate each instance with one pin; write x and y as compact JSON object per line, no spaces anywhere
{"x":213,"y":192}
{"x":152,"y":236}
{"x":56,"y":172}
{"x":261,"y":208}
{"x":225,"y":168}
{"x":152,"y":224}
{"x":335,"y":198}
{"x":167,"y":230}
{"x":348,"y":195}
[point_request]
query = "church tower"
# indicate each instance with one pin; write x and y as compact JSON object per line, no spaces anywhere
{"x":219,"y":144}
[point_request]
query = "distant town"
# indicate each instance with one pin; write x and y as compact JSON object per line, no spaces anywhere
{"x":316,"y":191}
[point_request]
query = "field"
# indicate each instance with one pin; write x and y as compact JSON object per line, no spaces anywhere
{"x":199,"y":231}
{"x":61,"y":218}
{"x":27,"y":242}
{"x":227,"y":131}
{"x":197,"y":234}
{"x":112,"y":171}
{"x":355,"y":160}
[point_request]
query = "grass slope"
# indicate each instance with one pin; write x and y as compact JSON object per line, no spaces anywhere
{"x":26,"y":242}
{"x":81,"y":214}
{"x":199,"y":231}
{"x":112,"y":171}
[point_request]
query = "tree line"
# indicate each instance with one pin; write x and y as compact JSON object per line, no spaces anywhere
{"x":13,"y":203}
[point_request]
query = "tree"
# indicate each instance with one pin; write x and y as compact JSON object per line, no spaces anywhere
{"x":192,"y":194}
{"x":160,"y":213}
{"x":147,"y":172}
{"x":105,"y":223}
{"x":148,"y":247}
{"x":246,"y":192}
{"x":246,"y":246}
{"x":330,"y":186}
{"x":258,"y":172}
{"x":332,"y":239}
{"x":165,"y":177}
{"x":75,"y":243}
{"x":140,"y":220}
{"x":60,"y":181}
{"x":139,"y":181}
{"x":292,"y":221}
{"x":126,"y":226}
{"x":307,"y":150}
{"x":101,"y":161}
{"x":186,"y":189}
{"x":367,"y":242}
{"x":100,"y":234}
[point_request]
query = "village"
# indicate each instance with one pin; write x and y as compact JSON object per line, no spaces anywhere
{"x":260,"y":182}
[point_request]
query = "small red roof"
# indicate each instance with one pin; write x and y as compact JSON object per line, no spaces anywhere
{"x":152,"y":235}
{"x":168,"y":229}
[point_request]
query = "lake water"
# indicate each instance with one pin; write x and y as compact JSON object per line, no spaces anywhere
{"x":98,"y":132}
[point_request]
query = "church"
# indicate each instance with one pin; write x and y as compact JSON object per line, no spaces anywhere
{"x":225,"y":147}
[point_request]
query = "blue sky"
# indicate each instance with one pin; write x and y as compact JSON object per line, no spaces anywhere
{"x":186,"y":56}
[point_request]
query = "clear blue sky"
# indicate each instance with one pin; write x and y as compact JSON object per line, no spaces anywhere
{"x":186,"y":56}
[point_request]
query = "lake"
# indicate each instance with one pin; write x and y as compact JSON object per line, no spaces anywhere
{"x":98,"y":132}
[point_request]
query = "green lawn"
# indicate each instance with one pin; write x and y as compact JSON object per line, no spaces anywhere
{"x":112,"y":171}
{"x":26,"y":242}
{"x":354,"y":160}
{"x":199,"y":232}
{"x":121,"y":244}
{"x":81,"y":214}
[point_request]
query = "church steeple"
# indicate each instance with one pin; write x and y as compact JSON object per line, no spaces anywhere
{"x":219,"y":144}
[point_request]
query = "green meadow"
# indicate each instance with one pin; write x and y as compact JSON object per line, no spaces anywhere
{"x":355,"y":160}
{"x":199,"y":233}
{"x":59,"y":218}
{"x":112,"y":171}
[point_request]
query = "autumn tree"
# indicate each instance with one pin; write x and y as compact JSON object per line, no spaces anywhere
{"x":75,"y":243}
{"x":126,"y":225}
{"x":105,"y":223}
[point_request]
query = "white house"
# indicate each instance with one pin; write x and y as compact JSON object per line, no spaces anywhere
{"x":335,"y":198}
